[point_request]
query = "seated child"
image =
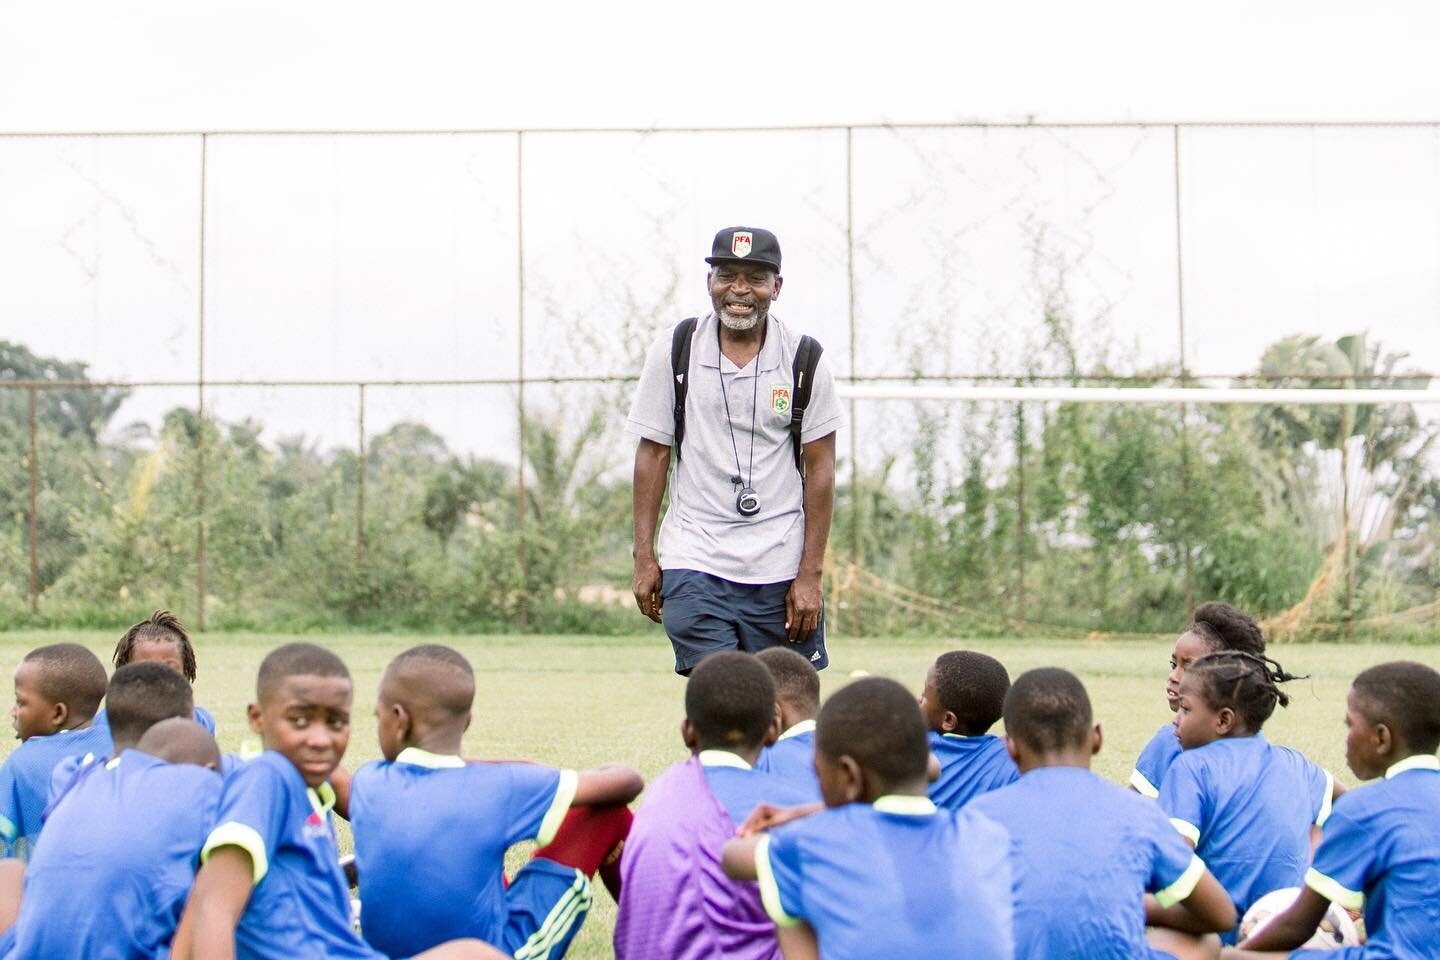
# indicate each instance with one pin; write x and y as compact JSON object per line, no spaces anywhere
{"x":962,"y":699}
{"x":111,"y":875}
{"x":1380,"y":849}
{"x":1247,"y":806}
{"x":146,"y":694}
{"x":161,"y":638}
{"x":1085,"y":851}
{"x":1215,"y":627}
{"x":797,"y":699}
{"x":57,"y":691}
{"x":676,"y":902}
{"x":881,"y":871}
{"x":270,"y":885}
{"x":431,"y":830}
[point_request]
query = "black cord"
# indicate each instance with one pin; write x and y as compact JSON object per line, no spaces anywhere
{"x":754,"y":405}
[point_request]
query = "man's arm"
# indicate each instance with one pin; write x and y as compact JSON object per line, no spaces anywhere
{"x":652,"y":466}
{"x":221,"y":892}
{"x":802,"y":602}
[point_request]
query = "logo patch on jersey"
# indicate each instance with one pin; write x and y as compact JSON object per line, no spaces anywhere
{"x":315,"y":826}
{"x":741,"y":242}
{"x":780,"y":398}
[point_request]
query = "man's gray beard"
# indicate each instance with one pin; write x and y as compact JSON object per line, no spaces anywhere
{"x":740,"y":324}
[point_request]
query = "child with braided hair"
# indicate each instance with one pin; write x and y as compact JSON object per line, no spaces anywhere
{"x":1214,"y":627}
{"x":160,"y":637}
{"x":1247,"y":806}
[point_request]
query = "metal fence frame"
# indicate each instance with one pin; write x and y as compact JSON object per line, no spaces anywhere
{"x":852,"y":378}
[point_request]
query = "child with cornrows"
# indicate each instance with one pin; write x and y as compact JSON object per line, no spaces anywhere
{"x":1248,"y":807}
{"x":1214,"y":627}
{"x":160,"y":637}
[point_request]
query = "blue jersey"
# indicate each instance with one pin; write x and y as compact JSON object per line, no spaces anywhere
{"x":741,"y":788}
{"x":25,"y":782}
{"x":1154,"y":760}
{"x":430,"y":839}
{"x":901,"y":878}
{"x":300,"y":903}
{"x":1248,"y":807}
{"x":119,"y":857}
{"x":1380,"y":852}
{"x":1084,"y":852}
{"x":969,"y":766}
{"x":203,"y":717}
{"x":793,"y":757}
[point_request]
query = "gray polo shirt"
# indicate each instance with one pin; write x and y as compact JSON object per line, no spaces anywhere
{"x":702,"y":529}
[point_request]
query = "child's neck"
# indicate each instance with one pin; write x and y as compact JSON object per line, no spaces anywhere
{"x":790,"y":717}
{"x":902,"y":788}
{"x":1078,"y":757}
{"x":445,"y":744}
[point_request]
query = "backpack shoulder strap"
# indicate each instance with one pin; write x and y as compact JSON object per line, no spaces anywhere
{"x":807,"y":357}
{"x":680,"y":368}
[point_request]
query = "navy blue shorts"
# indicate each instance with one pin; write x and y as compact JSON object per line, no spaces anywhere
{"x":705,"y":614}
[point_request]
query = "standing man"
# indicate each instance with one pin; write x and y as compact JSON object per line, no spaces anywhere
{"x":743,"y":541}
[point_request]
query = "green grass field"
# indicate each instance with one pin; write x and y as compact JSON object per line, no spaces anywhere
{"x":577,"y":701}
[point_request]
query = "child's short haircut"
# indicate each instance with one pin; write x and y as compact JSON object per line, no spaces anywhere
{"x":877,"y":722}
{"x":1223,"y":627}
{"x":797,"y":682}
{"x":972,"y":686}
{"x":1405,"y":696}
{"x":1244,"y":682}
{"x":142,"y":694}
{"x":297,"y":660}
{"x":180,"y":740}
{"x":163,"y":627}
{"x":72,"y":675}
{"x":1049,"y":711}
{"x":730,"y":701}
{"x":449,"y":678}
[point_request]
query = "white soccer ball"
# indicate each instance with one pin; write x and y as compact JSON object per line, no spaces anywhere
{"x":1336,"y":929}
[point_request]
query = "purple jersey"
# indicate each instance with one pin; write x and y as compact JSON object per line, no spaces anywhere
{"x":676,"y":903}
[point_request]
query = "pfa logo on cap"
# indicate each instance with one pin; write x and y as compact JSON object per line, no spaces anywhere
{"x":741,"y":242}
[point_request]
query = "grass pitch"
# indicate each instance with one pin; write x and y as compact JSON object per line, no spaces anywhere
{"x":578,"y":701}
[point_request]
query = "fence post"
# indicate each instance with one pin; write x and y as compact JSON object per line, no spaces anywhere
{"x":200,"y":408}
{"x":1186,"y":527}
{"x":855,"y":513}
{"x":1020,"y":528}
{"x":520,"y":371}
{"x":34,"y":509}
{"x":361,"y":468}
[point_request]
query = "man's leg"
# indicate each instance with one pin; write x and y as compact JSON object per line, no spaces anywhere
{"x":760,"y":610}
{"x":698,"y":618}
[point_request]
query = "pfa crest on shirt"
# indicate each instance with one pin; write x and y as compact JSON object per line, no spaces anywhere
{"x":780,"y":398}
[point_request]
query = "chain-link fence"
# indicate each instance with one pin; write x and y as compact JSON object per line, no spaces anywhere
{"x":340,"y":378}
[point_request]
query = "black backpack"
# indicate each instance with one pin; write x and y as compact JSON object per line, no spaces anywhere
{"x":807,"y":357}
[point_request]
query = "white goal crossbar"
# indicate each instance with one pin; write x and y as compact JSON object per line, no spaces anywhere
{"x":1197,"y":395}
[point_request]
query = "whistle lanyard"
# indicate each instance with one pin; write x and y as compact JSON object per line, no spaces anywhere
{"x":754,"y":404}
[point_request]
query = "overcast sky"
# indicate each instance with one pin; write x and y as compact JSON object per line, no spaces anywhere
{"x":395,"y":257}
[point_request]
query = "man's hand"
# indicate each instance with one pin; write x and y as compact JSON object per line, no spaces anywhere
{"x":802,"y":606}
{"x":646,"y":586}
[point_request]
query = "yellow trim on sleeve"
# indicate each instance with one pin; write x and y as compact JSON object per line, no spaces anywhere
{"x":769,"y":890}
{"x":1334,"y":890}
{"x":1143,"y":786}
{"x":8,"y":831}
{"x":1187,"y":830}
{"x":1182,"y":887}
{"x":235,"y":834}
{"x":564,"y":796}
{"x":1325,"y":804}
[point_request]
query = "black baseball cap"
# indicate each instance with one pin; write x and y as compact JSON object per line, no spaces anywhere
{"x":746,"y":245}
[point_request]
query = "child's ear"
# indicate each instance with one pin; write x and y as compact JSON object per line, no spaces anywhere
{"x":468,"y":717}
{"x":687,"y":734}
{"x":1097,"y":740}
{"x":1384,"y":739}
{"x":1225,"y":721}
{"x":1012,"y":748}
{"x":949,"y":723}
{"x":252,"y":713}
{"x":775,"y":730}
{"x":852,"y":779}
{"x":59,"y":713}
